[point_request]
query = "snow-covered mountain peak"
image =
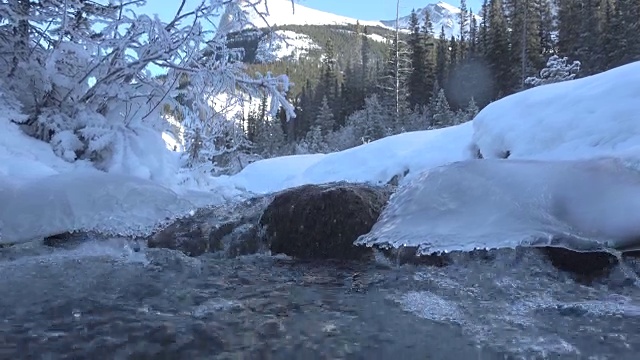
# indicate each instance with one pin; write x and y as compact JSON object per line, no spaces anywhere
{"x":442,"y":15}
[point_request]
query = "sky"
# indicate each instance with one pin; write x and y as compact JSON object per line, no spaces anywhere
{"x":377,"y":9}
{"x":357,"y":9}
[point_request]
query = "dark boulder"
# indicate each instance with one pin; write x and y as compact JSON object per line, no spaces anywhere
{"x":584,"y":266}
{"x":323,"y":221}
{"x":231,"y":231}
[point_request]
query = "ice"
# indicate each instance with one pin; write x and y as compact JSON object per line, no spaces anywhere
{"x":581,"y":204}
{"x":376,"y":162}
{"x":92,"y":201}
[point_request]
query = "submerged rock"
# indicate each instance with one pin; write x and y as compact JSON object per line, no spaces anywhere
{"x":323,"y":221}
{"x":585,"y":266}
{"x":229,"y":230}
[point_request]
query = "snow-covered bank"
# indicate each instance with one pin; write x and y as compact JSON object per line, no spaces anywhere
{"x":582,"y":205}
{"x":87,"y":201}
{"x":42,"y":195}
{"x":571,"y":179}
{"x":579,"y":119}
{"x":376,"y":162}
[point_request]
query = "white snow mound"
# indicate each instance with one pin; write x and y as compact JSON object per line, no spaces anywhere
{"x":109,"y":204}
{"x":585,"y":118}
{"x":376,"y":162}
{"x":484,"y":204}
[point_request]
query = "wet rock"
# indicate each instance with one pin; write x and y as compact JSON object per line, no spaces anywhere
{"x":216,"y":229}
{"x":166,"y":260}
{"x":65,"y":239}
{"x":270,"y":329}
{"x":323,"y":221}
{"x":244,"y":240}
{"x":395,"y":180}
{"x":584,"y":266}
{"x":409,"y":255}
{"x":211,"y":334}
{"x":193,"y":235}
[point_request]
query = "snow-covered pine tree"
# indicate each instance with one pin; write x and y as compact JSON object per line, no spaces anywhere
{"x":558,"y":69}
{"x":442,"y":114}
{"x":325,"y":119}
{"x":81,"y":72}
{"x":315,"y":141}
{"x":372,"y":122}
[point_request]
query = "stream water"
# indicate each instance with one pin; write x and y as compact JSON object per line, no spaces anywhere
{"x":102,"y":300}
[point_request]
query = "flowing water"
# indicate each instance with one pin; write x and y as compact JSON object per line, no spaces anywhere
{"x":102,"y":300}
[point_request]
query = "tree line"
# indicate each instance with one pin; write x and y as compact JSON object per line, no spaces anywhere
{"x":426,"y":80}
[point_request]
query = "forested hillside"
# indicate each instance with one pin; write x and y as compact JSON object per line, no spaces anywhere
{"x":356,"y":89}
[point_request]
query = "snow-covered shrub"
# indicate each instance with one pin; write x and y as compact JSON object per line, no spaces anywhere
{"x":77,"y":74}
{"x":558,"y":69}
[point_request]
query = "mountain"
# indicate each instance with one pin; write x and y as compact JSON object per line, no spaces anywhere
{"x":442,"y":15}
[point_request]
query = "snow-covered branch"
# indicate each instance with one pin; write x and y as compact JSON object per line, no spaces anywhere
{"x":90,"y":76}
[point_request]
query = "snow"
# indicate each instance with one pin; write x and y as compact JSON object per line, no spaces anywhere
{"x":442,"y":15}
{"x":579,"y":204}
{"x":579,"y":119}
{"x":284,"y":44}
{"x":571,"y":178}
{"x":90,"y":201}
{"x":378,"y":38}
{"x":43,"y":195}
{"x":376,"y":162}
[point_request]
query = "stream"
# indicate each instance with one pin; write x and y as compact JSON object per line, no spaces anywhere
{"x":103,"y":300}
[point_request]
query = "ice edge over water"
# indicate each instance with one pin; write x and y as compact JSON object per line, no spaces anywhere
{"x":583,"y":205}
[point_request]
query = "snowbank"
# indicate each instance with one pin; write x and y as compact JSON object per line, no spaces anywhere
{"x":579,"y":119}
{"x":43,"y":195}
{"x":572,"y":177}
{"x":582,"y":205}
{"x":23,"y":159}
{"x":376,"y":162}
{"x":92,"y":201}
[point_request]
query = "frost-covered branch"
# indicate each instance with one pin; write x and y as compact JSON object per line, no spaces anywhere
{"x":96,"y":75}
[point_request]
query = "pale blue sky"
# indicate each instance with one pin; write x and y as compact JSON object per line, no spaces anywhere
{"x":377,"y":9}
{"x":358,"y":9}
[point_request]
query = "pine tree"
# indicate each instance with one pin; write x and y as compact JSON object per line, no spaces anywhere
{"x":430,"y":55}
{"x":442,"y":114}
{"x":418,"y":89}
{"x":314,"y":142}
{"x":365,"y":54}
{"x":370,"y":123}
{"x":498,"y":52}
{"x":558,"y":69}
{"x":473,"y":35}
{"x":463,"y":21}
{"x":442,"y":58}
{"x":483,"y":29}
{"x":329,"y":77}
{"x":325,"y":120}
{"x":569,"y":26}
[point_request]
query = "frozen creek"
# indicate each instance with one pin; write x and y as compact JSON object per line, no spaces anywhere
{"x":103,"y":301}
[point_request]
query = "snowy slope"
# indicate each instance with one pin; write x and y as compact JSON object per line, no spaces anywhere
{"x":284,"y":44}
{"x":572,"y":178}
{"x":43,"y":195}
{"x":442,"y":15}
{"x":281,"y":12}
{"x":579,"y":119}
{"x":376,"y":162}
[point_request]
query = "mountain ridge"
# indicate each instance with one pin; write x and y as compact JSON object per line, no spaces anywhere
{"x":280,"y":12}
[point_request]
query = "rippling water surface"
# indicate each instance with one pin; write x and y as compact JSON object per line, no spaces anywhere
{"x":104,"y":301}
